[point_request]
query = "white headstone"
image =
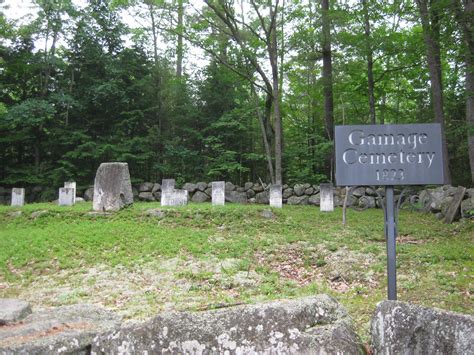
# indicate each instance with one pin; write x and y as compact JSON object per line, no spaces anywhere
{"x":218,"y":193}
{"x":167,"y":188}
{"x":66,"y":196}
{"x":71,"y":185}
{"x":326,"y":198}
{"x":18,"y":196}
{"x":175,"y":198}
{"x":276,"y":198}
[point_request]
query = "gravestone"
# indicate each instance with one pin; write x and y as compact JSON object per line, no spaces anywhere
{"x":172,"y":197}
{"x":326,"y":198}
{"x":72,"y":185}
{"x":112,"y":187}
{"x":66,"y":196}
{"x":176,"y":198}
{"x":18,"y":196}
{"x":276,"y":198}
{"x":218,"y":193}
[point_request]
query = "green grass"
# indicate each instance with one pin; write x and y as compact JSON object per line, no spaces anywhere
{"x":200,"y":257}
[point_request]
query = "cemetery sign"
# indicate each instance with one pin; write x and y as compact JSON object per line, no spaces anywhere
{"x":389,"y":155}
{"x":408,"y":154}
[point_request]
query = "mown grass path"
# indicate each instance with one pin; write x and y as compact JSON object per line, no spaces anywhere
{"x":199,"y":257}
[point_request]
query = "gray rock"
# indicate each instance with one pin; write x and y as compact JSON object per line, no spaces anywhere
{"x":287,"y":193}
{"x":263,"y":197}
{"x":157,"y":195}
{"x":285,"y":186}
{"x":367,"y":201}
{"x":13,"y":310}
{"x":68,"y":329}
{"x":201,"y":186}
{"x":250,"y":193}
{"x":145,"y":187}
{"x":240,"y":189}
{"x":79,"y":199}
{"x":37,"y":214}
{"x":248,"y":185}
{"x":467,"y":207}
{"x":370,"y":192}
{"x":299,"y":189}
{"x":155,"y":212}
{"x":360,"y":191}
{"x":14,"y":214}
{"x":298,"y":200}
{"x":229,"y":186}
{"x":208,"y":191}
{"x":470,"y":192}
{"x":306,"y":185}
{"x":257,"y":188}
{"x":236,"y":197}
{"x":200,"y":197}
{"x":251,"y":200}
{"x":146,"y":196}
{"x":190,"y":187}
{"x":316,"y":325}
{"x":402,"y":328}
{"x":315,"y":200}
{"x":156,"y":188}
{"x":309,"y":191}
{"x":267,"y":214}
{"x":112,"y":187}
{"x":135,"y":192}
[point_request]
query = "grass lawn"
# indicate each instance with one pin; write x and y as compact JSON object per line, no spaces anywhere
{"x":199,"y":257}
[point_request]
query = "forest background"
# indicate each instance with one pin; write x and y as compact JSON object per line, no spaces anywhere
{"x":226,"y":90}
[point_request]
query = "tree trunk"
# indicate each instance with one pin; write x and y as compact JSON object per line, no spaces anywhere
{"x":327,"y":71}
{"x":464,"y":17}
{"x":370,"y":63}
{"x":153,"y":31}
{"x":179,"y":47}
{"x":268,"y":152}
{"x":273,"y":54}
{"x":433,"y":57}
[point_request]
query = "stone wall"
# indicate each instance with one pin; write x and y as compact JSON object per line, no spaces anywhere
{"x":436,"y":200}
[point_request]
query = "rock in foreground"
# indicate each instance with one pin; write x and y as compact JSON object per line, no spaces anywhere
{"x":308,"y":325}
{"x":112,"y":187}
{"x":67,"y":329}
{"x":12,"y":310}
{"x":402,"y":328}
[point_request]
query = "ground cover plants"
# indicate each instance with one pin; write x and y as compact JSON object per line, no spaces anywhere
{"x":148,"y":258}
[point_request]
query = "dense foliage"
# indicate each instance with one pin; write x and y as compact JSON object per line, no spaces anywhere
{"x":79,"y":86}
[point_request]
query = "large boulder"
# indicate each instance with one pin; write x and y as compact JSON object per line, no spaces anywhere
{"x":236,"y":197}
{"x":467,"y":207}
{"x":112,"y":187}
{"x":298,"y":200}
{"x":316,"y":325}
{"x":402,"y":328}
{"x":299,"y":189}
{"x":200,"y":197}
{"x":89,"y":194}
{"x":146,"y":196}
{"x":145,"y":187}
{"x":263,"y":198}
{"x":201,"y":186}
{"x":67,"y":329}
{"x":13,"y":310}
{"x":190,"y":187}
